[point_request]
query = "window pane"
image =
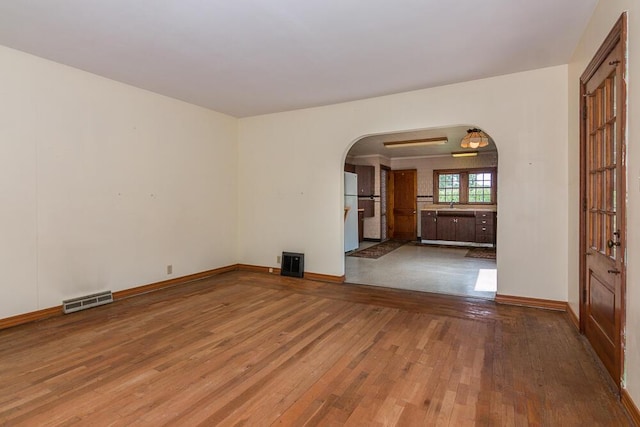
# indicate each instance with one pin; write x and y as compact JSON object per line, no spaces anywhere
{"x":449,"y":187}
{"x":480,"y":187}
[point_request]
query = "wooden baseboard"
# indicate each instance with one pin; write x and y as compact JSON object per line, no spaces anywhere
{"x":546,"y":304}
{"x":630,"y":406}
{"x":126,"y":293}
{"x":258,"y":269}
{"x":55,"y":311}
{"x":307,"y":275}
{"x":30,"y":317}
{"x":324,"y":277}
{"x":573,"y":317}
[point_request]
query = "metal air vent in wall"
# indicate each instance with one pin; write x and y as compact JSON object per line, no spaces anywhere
{"x":292,"y":264}
{"x":88,"y":301}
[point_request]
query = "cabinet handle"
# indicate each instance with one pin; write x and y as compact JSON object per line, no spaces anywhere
{"x":484,"y":228}
{"x":484,"y":222}
{"x":614,"y":271}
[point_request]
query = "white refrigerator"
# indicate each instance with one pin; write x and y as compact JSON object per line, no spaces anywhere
{"x":351,"y":211}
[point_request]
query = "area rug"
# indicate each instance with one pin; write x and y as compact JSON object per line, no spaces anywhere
{"x":437,"y":245}
{"x":486,"y":253}
{"x":376,"y":251}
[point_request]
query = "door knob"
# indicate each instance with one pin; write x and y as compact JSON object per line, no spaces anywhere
{"x":611,"y":243}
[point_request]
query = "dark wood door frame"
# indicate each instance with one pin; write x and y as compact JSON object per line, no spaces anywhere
{"x":617,"y":36}
{"x":384,"y":201}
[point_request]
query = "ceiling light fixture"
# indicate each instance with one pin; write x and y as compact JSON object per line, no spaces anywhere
{"x":416,"y":142}
{"x":464,"y":154}
{"x":475,"y":139}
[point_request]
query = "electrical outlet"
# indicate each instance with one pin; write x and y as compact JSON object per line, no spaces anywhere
{"x":270,"y":269}
{"x":278,"y":259}
{"x":169,"y":269}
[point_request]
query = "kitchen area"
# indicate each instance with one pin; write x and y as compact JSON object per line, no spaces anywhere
{"x":360,"y":197}
{"x":455,"y":207}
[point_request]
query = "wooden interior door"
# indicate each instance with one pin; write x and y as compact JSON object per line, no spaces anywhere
{"x":404,"y":205}
{"x":603,"y":189}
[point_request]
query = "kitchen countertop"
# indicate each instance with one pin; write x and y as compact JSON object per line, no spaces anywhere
{"x":463,"y":208}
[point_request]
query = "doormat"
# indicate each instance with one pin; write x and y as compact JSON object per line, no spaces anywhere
{"x":376,"y":251}
{"x":486,"y":253}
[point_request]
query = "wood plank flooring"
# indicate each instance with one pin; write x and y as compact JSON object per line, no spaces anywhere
{"x":257,"y":350}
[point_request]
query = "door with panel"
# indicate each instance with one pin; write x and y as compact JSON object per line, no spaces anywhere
{"x":404,"y":204}
{"x":603,"y":191}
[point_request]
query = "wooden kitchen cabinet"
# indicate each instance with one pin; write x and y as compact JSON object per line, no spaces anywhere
{"x":428,"y":225}
{"x":366,"y":180}
{"x":485,"y":227}
{"x":446,"y":229}
{"x":466,"y":229}
{"x":348,"y":167}
{"x":456,"y":226}
{"x":360,"y":225}
{"x":368,"y":207}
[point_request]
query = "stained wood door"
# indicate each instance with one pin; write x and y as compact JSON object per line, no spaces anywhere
{"x":404,"y":204}
{"x":603,"y":190}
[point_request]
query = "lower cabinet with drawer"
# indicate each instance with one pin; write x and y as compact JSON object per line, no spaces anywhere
{"x":485,"y":227}
{"x":458,"y":226}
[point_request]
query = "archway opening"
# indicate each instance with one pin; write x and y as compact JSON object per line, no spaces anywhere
{"x":421,"y":212}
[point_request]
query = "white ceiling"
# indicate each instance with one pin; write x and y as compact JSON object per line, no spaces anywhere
{"x":249,"y":57}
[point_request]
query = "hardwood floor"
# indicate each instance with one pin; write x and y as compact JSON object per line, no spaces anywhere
{"x":254,"y":349}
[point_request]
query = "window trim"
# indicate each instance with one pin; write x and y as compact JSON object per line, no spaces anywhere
{"x":464,"y":184}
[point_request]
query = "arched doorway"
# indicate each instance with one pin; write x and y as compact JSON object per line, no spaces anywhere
{"x":427,"y":212}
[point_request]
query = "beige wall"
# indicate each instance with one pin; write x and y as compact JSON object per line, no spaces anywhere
{"x":602,"y":21}
{"x":103,"y":185}
{"x":290,"y":173}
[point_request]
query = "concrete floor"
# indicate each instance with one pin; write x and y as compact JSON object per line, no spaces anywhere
{"x":427,"y":269}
